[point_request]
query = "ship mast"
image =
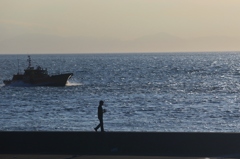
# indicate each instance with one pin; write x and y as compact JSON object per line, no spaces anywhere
{"x":18,"y":67}
{"x":29,"y":61}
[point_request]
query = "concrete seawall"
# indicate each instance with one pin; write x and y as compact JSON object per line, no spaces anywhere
{"x":121,"y":143}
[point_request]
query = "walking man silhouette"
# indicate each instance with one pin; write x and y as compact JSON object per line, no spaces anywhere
{"x":100,"y":116}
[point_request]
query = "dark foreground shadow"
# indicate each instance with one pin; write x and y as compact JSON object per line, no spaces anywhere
{"x":122,"y":143}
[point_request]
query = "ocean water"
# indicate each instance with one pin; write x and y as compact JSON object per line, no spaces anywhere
{"x":163,"y":92}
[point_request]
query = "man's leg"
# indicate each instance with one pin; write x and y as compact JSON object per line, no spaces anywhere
{"x":101,"y":123}
{"x":98,"y":125}
{"x":96,"y":128}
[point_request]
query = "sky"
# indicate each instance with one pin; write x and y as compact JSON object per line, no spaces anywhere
{"x":118,"y":26}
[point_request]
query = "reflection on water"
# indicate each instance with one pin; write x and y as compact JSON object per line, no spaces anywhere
{"x":142,"y":92}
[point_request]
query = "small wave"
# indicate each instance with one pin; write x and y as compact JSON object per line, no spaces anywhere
{"x":73,"y":84}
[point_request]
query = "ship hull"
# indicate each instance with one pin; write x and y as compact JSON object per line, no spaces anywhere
{"x":54,"y":80}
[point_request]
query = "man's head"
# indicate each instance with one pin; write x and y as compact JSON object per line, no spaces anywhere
{"x":101,"y":102}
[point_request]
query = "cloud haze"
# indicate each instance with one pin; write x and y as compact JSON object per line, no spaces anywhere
{"x":83,"y":26}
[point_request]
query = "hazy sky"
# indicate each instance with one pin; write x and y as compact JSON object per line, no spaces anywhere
{"x":92,"y":26}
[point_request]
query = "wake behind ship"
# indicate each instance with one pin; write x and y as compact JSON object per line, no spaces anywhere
{"x":37,"y":77}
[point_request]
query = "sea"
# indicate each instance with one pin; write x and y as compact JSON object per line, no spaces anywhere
{"x":142,"y":92}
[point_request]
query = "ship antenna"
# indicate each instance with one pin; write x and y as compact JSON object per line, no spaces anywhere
{"x":29,"y":61}
{"x":18,"y":66}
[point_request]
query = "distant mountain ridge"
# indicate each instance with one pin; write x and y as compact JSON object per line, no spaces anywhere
{"x":161,"y":42}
